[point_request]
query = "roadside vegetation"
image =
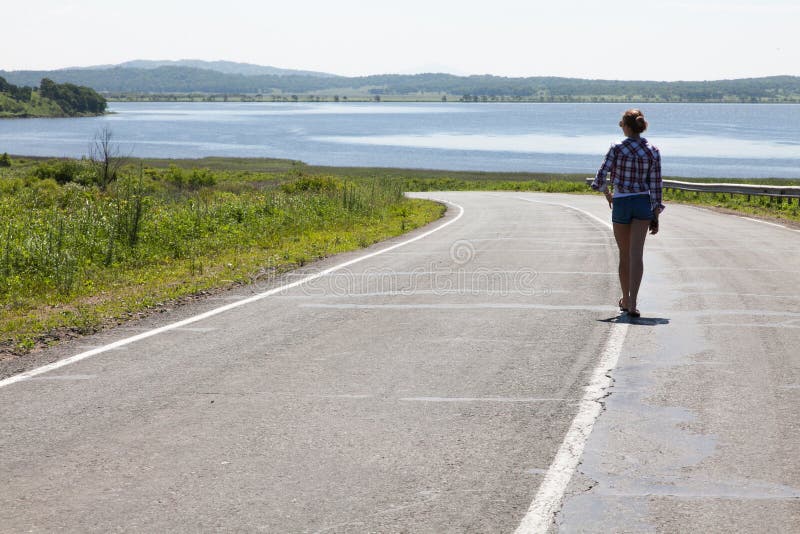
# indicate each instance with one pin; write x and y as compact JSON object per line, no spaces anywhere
{"x":89,"y":243}
{"x":770,"y":208}
{"x":432,"y":180}
{"x":435,"y":180}
{"x":440,"y":180}
{"x":79,"y":252}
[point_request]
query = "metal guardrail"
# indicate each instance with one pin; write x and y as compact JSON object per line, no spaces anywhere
{"x":780,"y":193}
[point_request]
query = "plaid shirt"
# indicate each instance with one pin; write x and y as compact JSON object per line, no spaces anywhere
{"x":635,"y":167}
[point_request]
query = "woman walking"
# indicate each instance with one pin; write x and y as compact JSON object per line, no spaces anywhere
{"x":635,"y":200}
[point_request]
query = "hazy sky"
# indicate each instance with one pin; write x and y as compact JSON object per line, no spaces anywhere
{"x":654,"y":40}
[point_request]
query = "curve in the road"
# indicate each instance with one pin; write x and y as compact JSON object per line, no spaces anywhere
{"x":216,"y":311}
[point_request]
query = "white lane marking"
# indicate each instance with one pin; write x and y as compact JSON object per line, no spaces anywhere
{"x":455,"y":306}
{"x":551,"y":491}
{"x":735,"y":294}
{"x":734,"y":269}
{"x":698,"y":208}
{"x":591,"y":273}
{"x":547,"y":237}
{"x":731,"y":312}
{"x":342,"y":396}
{"x":216,"y":311}
{"x":560,"y":250}
{"x":770,"y":224}
{"x":484,"y":399}
{"x":65,"y":377}
{"x":590,"y":215}
{"x":503,"y":234}
{"x":733,"y":249}
{"x":411,"y":292}
{"x":95,"y":346}
{"x":749,"y":325}
{"x":388,"y":273}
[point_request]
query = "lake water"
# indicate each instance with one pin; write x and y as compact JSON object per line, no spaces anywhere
{"x":696,"y":140}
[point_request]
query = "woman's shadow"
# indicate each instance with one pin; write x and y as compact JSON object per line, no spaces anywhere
{"x":641,"y":321}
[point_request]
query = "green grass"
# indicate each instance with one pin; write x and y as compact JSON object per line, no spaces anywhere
{"x":758,"y":206}
{"x":438,"y":180}
{"x":74,"y":259}
{"x":230,"y":165}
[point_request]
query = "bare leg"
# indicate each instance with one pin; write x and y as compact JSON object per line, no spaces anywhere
{"x":638,"y":234}
{"x":622,"y":233}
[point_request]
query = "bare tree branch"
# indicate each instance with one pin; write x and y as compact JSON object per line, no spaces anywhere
{"x":105,"y":157}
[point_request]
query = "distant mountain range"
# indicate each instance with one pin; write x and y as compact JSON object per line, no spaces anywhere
{"x":226,"y":67}
{"x":225,"y":77}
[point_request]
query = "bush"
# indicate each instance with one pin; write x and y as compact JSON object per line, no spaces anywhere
{"x":5,"y":160}
{"x":312,"y":184}
{"x":64,"y":171}
{"x":201,"y":178}
{"x":193,"y":180}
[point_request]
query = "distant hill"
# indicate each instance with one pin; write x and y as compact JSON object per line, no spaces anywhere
{"x":49,"y":100}
{"x":226,"y":67}
{"x":171,"y":79}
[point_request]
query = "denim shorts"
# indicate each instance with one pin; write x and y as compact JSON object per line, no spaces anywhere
{"x":633,"y":207}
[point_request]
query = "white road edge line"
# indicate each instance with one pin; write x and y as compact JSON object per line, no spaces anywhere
{"x":551,"y":491}
{"x":769,"y":223}
{"x":216,"y":311}
{"x":751,"y":219}
{"x":590,"y":215}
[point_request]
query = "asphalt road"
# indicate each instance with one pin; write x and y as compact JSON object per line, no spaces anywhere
{"x":433,"y":387}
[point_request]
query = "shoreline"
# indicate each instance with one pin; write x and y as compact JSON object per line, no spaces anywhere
{"x":78,"y":116}
{"x":259,"y":164}
{"x":221,"y":98}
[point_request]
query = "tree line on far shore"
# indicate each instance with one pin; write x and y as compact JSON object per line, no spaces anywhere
{"x":50,"y":99}
{"x":183,"y":80}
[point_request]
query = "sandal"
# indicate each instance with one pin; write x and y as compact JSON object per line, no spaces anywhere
{"x":621,"y":307}
{"x":634,"y":313}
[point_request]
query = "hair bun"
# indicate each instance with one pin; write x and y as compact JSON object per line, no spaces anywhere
{"x":634,"y":119}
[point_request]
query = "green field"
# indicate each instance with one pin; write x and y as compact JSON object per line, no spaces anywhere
{"x":76,"y":257}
